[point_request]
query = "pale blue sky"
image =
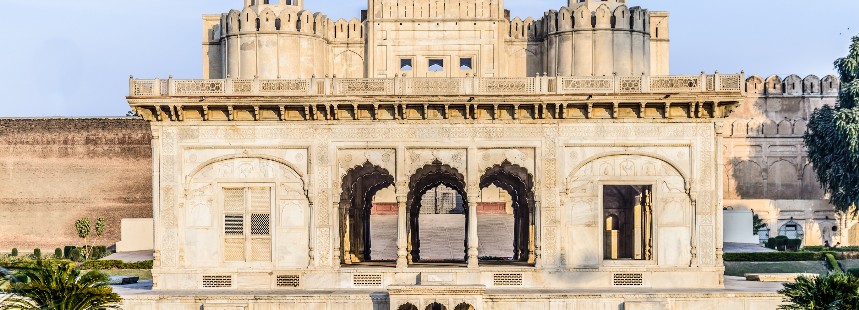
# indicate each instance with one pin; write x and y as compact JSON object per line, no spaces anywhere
{"x":73,"y":58}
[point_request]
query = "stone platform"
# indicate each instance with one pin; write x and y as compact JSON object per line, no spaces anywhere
{"x":737,"y":294}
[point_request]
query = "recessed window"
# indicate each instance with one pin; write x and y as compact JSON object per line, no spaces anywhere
{"x":406,"y":64}
{"x":627,"y":222}
{"x":465,"y":64}
{"x":436,"y":65}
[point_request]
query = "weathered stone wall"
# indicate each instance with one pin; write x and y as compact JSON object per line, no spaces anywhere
{"x":766,"y":165}
{"x":53,"y":171}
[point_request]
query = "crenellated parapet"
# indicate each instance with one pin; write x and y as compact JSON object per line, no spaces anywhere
{"x":793,"y":85}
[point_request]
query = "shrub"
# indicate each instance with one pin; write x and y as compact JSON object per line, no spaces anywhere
{"x":115,"y":264}
{"x":777,"y":256}
{"x":37,"y":253}
{"x":99,"y":252}
{"x":67,"y":251}
{"x":833,"y":264}
{"x":60,"y":286}
{"x":833,"y":291}
{"x":76,"y":255}
{"x":58,"y":253}
{"x":14,"y":252}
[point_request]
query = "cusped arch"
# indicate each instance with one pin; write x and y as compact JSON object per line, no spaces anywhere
{"x":359,"y":185}
{"x":211,"y":162}
{"x":407,"y":306}
{"x":595,"y":159}
{"x":432,"y":175}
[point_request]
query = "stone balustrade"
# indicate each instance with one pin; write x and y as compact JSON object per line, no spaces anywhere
{"x":407,"y":86}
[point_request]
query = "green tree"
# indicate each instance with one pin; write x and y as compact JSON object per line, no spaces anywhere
{"x":60,"y":286}
{"x":83,"y":229}
{"x":836,"y":291}
{"x":832,"y":138}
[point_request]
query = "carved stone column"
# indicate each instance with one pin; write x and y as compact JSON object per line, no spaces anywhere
{"x":472,"y":232}
{"x":402,"y":236}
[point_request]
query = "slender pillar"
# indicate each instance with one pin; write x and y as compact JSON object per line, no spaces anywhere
{"x":402,"y":237}
{"x":472,"y":232}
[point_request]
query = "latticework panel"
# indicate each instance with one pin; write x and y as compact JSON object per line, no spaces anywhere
{"x":628,"y":279}
{"x":199,"y":87}
{"x":629,"y":84}
{"x":234,"y":249}
{"x":234,"y":200}
{"x":234,"y":225}
{"x":243,"y":87}
{"x":367,"y":280}
{"x":731,"y":82}
{"x":217,"y":281}
{"x":507,"y":279}
{"x":261,"y":250}
{"x":675,"y":83}
{"x":488,"y":86}
{"x":289,"y":280}
{"x":260,"y":199}
{"x":587,"y":84}
{"x":284,"y":87}
{"x":260,"y":224}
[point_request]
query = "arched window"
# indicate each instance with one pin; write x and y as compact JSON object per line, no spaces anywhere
{"x":792,"y":230}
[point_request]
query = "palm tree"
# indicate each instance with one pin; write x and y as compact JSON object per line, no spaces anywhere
{"x":836,"y":291}
{"x":60,"y":286}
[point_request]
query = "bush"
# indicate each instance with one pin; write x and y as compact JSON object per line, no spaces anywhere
{"x":76,"y":255}
{"x":58,"y":253}
{"x":67,"y":251}
{"x":115,"y":264}
{"x":37,"y":253}
{"x":833,"y":291}
{"x":778,"y":256}
{"x":833,"y":264}
{"x":820,"y":248}
{"x":14,"y":252}
{"x":99,"y":252}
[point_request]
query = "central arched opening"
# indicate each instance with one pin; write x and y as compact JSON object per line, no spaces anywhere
{"x":358,"y":226}
{"x":437,"y":215}
{"x":506,"y":220}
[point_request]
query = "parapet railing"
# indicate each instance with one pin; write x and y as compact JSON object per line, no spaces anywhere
{"x":541,"y":85}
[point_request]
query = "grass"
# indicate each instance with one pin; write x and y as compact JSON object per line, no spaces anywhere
{"x":739,"y":269}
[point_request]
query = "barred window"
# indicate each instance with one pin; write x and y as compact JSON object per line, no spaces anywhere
{"x":247,"y":224}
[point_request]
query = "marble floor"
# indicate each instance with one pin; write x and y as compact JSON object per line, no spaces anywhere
{"x":443,"y":235}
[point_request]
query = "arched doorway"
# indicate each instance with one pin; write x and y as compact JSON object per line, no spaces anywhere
{"x":464,"y":306}
{"x":519,"y":185}
{"x":427,"y":179}
{"x":436,"y":306}
{"x":407,"y":306}
{"x":360,"y":185}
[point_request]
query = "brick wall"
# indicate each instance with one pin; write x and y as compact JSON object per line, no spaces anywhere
{"x":53,"y":171}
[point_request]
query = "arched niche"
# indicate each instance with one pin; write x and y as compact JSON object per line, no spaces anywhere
{"x":666,"y":190}
{"x":424,"y":179}
{"x":519,"y":184}
{"x":358,"y":187}
{"x":288,"y":209}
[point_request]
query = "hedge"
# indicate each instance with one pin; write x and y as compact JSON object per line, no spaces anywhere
{"x":778,"y":256}
{"x":820,"y":248}
{"x":833,"y":264}
{"x":115,"y":264}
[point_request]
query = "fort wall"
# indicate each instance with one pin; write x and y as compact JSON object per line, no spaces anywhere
{"x":53,"y":171}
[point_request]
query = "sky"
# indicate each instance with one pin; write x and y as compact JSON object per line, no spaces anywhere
{"x":73,"y":58}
